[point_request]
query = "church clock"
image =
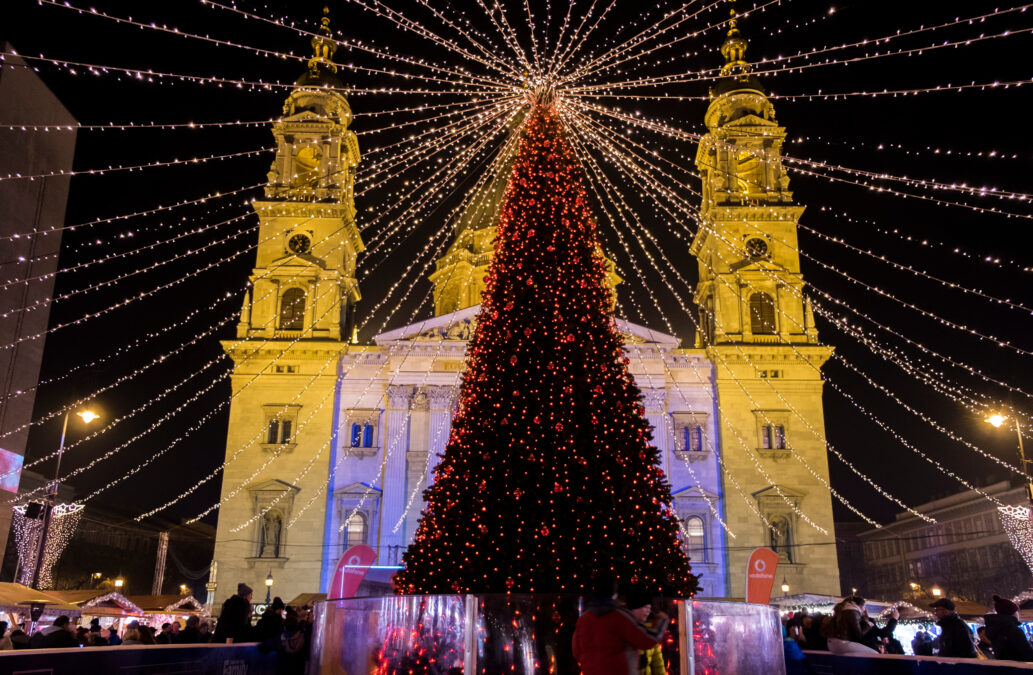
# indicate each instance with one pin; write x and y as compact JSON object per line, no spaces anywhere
{"x":299,"y":243}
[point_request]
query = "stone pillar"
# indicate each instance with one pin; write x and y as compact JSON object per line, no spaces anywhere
{"x":395,"y":445}
{"x":416,"y":463}
{"x":655,"y":401}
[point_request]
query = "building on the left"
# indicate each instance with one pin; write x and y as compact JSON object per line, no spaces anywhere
{"x":33,"y":218}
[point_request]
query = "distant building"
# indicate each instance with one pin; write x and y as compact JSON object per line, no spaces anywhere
{"x":34,"y":210}
{"x":966,"y":552}
{"x":850,"y":553}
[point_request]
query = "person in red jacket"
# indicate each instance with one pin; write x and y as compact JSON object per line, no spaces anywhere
{"x":607,"y":638}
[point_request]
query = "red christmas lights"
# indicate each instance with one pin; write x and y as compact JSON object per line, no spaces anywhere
{"x":549,"y":478}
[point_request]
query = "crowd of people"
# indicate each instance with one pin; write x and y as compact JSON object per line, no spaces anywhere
{"x":619,"y":638}
{"x":850,"y":631}
{"x":281,"y":629}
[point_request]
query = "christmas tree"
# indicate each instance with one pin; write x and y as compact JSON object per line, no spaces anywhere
{"x":549,"y":479}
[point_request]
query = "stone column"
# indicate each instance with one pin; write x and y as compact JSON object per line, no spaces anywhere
{"x":655,"y":401}
{"x":416,"y":463}
{"x":395,"y":444}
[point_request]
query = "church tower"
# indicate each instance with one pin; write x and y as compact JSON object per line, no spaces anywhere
{"x":758,"y":330}
{"x":294,"y":326}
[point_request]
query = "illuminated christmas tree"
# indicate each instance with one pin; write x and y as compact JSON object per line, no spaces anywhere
{"x":549,"y":478}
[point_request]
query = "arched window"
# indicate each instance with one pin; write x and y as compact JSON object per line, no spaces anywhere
{"x":708,"y":320}
{"x":270,"y":534}
{"x":762,"y":314}
{"x":356,"y":435}
{"x":355,"y":530}
{"x":696,"y":542}
{"x":781,"y":536}
{"x":367,"y":436}
{"x":292,"y":309}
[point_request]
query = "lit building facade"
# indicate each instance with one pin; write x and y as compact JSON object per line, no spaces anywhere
{"x":332,"y":444}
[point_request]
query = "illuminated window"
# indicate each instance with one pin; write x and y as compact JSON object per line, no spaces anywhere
{"x":695,"y":539}
{"x":762,"y":314}
{"x":292,"y":309}
{"x":355,"y":530}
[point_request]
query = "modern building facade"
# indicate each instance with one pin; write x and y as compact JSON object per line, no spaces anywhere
{"x":966,"y":552}
{"x":331,"y":444}
{"x":33,"y":218}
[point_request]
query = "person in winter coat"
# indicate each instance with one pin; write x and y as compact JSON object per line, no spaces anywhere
{"x":607,"y":638}
{"x":640,"y":604}
{"x":956,"y":639}
{"x":56,"y":636}
{"x":850,"y":628}
{"x":235,"y":619}
{"x":1006,"y":636}
{"x":270,"y":626}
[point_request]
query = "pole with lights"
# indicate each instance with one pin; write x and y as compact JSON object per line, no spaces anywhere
{"x":997,"y":420}
{"x":785,"y":586}
{"x":51,"y":499}
{"x":268,"y":587}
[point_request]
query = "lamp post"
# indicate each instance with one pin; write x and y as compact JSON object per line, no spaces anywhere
{"x":182,"y":589}
{"x":51,"y":499}
{"x":997,"y":420}
{"x":785,"y":586}
{"x":119,"y":583}
{"x":936,"y":591}
{"x":268,"y":587}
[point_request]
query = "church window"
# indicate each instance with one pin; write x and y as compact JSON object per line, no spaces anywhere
{"x":362,"y":432}
{"x":356,"y":530}
{"x":695,"y":539}
{"x":762,"y":314}
{"x":367,"y":435}
{"x":280,"y":423}
{"x":694,"y":438}
{"x":781,"y":538}
{"x":708,"y":320}
{"x":356,"y":435}
{"x":773,"y":437}
{"x":292,"y":309}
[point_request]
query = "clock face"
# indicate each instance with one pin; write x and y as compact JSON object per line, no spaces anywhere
{"x":756,"y":248}
{"x":299,"y":243}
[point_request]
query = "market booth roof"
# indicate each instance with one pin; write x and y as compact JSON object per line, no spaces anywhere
{"x":307,"y":599}
{"x":94,"y":603}
{"x":18,"y":598}
{"x":168,"y":604}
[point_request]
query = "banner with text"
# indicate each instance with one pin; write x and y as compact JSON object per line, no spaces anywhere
{"x":351,"y":570}
{"x":760,"y":576}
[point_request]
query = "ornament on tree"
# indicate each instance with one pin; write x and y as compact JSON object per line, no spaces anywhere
{"x":549,"y":478}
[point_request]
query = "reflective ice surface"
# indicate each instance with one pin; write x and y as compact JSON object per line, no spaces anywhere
{"x":525,"y":635}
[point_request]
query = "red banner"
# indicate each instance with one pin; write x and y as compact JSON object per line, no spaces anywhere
{"x":760,"y":575}
{"x":351,"y":570}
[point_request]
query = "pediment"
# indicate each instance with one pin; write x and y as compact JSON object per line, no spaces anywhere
{"x":750,"y":121}
{"x":695,"y":492}
{"x":305,"y":116}
{"x":275,"y":484}
{"x":459,"y":326}
{"x":356,"y":489}
{"x":770,"y":491}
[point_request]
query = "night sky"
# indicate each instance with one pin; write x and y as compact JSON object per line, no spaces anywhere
{"x":893,"y":134}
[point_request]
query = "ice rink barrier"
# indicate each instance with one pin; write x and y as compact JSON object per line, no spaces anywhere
{"x":526,"y":635}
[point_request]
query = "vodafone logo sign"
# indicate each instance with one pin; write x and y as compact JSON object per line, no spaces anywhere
{"x":760,"y":575}
{"x":759,"y":565}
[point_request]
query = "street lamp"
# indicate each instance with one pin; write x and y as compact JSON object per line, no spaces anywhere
{"x":785,"y":586}
{"x":51,"y":499}
{"x":268,"y":587}
{"x":936,"y":591}
{"x":119,"y":583}
{"x":182,"y":589}
{"x":997,"y":420}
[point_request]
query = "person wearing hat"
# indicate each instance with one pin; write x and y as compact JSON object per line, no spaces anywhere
{"x":607,"y":638}
{"x":956,"y":639}
{"x":270,"y":625}
{"x":639,"y":603}
{"x":235,"y":619}
{"x":1006,"y":637}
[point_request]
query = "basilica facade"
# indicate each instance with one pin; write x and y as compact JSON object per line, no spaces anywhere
{"x":331,"y":444}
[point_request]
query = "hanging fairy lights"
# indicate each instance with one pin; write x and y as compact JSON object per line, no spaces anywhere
{"x":1017,"y":523}
{"x":27,"y":530}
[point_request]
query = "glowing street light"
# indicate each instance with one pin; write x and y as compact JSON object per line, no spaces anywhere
{"x":997,"y":420}
{"x":785,"y":586}
{"x":119,"y":583}
{"x":936,"y":591}
{"x":268,"y":587}
{"x":183,"y":589}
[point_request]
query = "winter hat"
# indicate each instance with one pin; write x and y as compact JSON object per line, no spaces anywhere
{"x":636,"y":596}
{"x":1005,"y":606}
{"x":277,"y":603}
{"x":243,"y":590}
{"x":946,"y":603}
